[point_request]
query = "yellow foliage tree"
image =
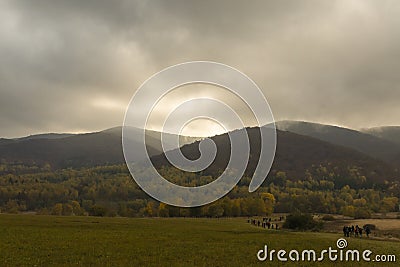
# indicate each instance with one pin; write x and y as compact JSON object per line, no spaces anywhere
{"x":269,"y":201}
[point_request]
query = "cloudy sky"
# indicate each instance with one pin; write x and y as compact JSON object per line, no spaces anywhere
{"x":72,"y":66}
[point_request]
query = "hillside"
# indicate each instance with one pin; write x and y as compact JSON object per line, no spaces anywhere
{"x":79,"y":150}
{"x":296,"y":154}
{"x":373,"y":146}
{"x":308,"y":175}
{"x":390,"y":133}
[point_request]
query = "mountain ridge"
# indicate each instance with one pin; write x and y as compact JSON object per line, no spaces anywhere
{"x":295,"y":155}
{"x":371,"y":145}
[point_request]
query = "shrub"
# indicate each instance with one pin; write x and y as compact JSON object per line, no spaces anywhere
{"x":97,"y":210}
{"x":302,"y":222}
{"x":362,"y":213}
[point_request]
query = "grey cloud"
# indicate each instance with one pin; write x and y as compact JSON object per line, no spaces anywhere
{"x":326,"y":61}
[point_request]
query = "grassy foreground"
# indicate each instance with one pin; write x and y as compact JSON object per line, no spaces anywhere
{"x":31,"y":240}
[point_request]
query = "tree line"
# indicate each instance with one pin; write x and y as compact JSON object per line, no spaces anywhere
{"x":110,"y":191}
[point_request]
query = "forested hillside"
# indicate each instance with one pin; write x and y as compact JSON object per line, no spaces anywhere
{"x":85,"y":174}
{"x":109,"y":191}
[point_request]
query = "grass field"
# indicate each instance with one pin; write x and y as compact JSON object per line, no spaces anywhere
{"x":32,"y":240}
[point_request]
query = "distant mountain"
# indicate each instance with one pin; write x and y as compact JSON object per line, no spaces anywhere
{"x":77,"y":150}
{"x":295,"y":155}
{"x":373,"y":146}
{"x":390,"y":133}
{"x":34,"y":137}
{"x":45,"y":136}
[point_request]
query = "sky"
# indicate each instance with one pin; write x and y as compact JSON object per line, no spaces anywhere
{"x":73,"y":66}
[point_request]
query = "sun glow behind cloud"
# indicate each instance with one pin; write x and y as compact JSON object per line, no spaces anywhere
{"x":107,"y":104}
{"x":200,"y":127}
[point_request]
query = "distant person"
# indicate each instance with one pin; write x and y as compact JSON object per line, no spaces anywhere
{"x":345,"y":230}
{"x":367,"y":230}
{"x":360,"y":230}
{"x":348,"y":231}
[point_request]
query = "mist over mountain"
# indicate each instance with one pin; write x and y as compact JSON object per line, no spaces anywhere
{"x":390,"y":133}
{"x":374,"y":146}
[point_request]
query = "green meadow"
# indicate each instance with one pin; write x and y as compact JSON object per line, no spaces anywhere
{"x":33,"y":240}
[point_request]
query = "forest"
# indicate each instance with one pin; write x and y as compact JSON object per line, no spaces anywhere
{"x":109,"y":190}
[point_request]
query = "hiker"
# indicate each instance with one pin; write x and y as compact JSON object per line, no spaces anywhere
{"x":356,"y":231}
{"x":367,"y":230}
{"x":345,"y":230}
{"x":360,"y":230}
{"x":348,"y":231}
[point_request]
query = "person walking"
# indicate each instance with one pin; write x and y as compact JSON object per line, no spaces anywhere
{"x":367,"y":230}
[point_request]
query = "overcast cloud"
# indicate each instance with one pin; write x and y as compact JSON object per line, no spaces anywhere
{"x":72,"y":66}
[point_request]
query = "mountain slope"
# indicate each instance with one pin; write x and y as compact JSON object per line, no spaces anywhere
{"x":390,"y":133}
{"x":78,"y":150}
{"x":368,"y":144}
{"x":296,"y":154}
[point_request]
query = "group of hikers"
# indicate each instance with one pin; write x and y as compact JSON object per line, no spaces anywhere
{"x":348,"y":231}
{"x":265,"y":222}
{"x":356,"y":231}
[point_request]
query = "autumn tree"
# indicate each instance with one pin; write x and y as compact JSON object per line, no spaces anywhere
{"x":57,"y":209}
{"x":163,"y":210}
{"x":269,"y":201}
